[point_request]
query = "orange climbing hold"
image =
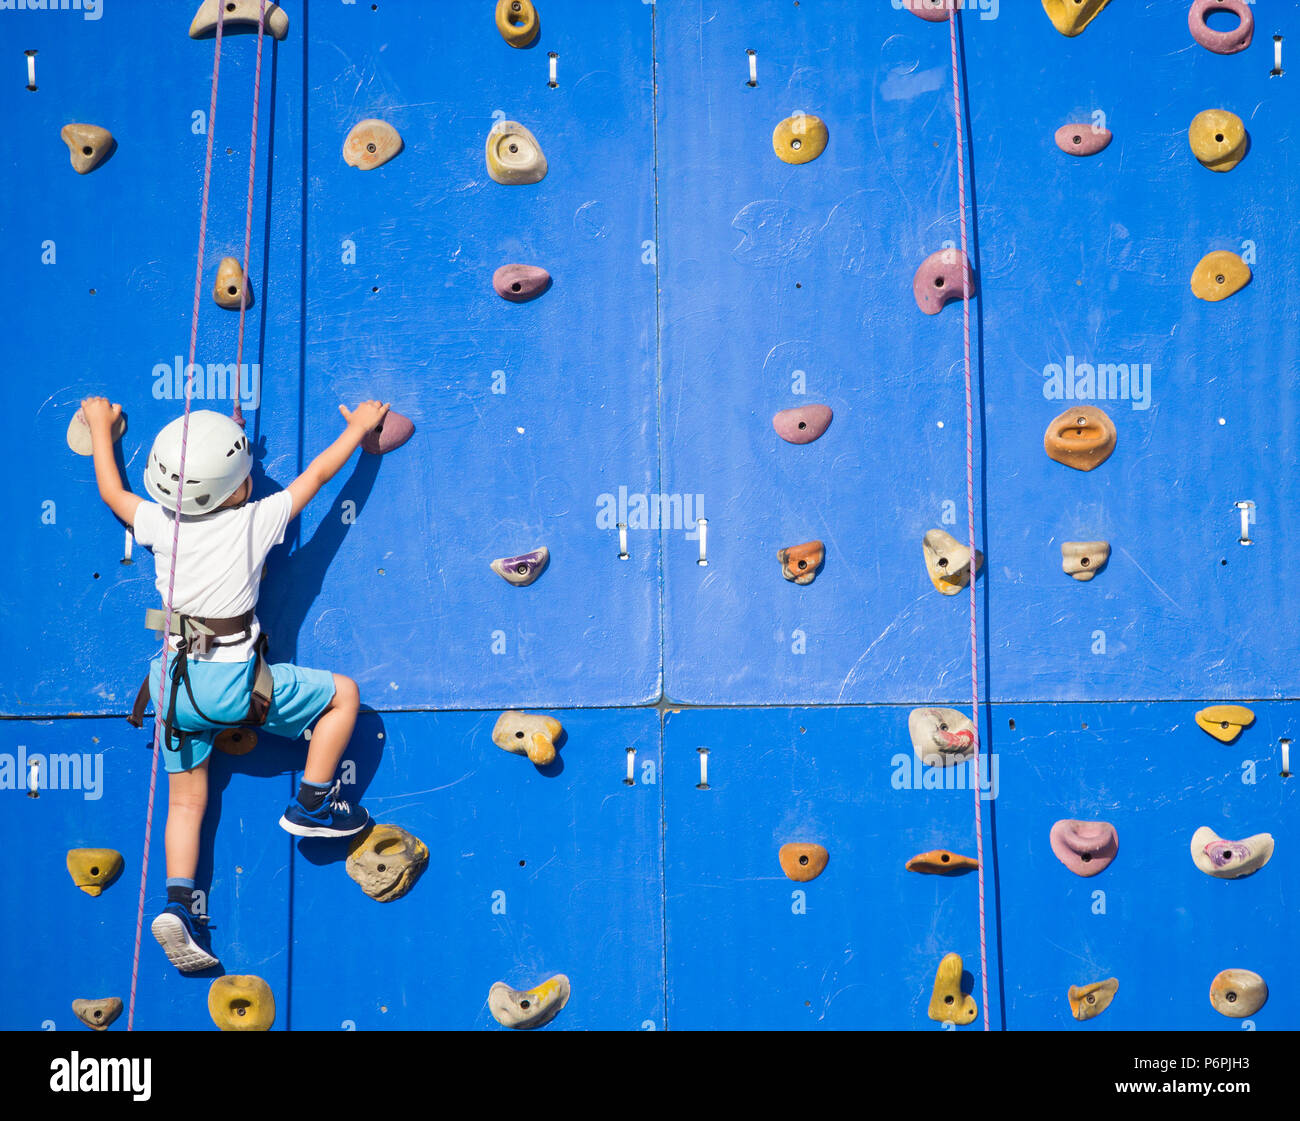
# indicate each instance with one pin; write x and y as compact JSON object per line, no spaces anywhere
{"x":941,"y":862}
{"x":803,"y":862}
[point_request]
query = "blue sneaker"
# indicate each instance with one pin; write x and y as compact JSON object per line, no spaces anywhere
{"x":184,"y":939}
{"x":335,"y":818}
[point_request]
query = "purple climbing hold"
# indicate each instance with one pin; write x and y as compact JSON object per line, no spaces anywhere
{"x":1222,"y":42}
{"x":1084,"y":847}
{"x":802,"y":425}
{"x":520,"y":283}
{"x":523,"y":569}
{"x":940,"y":280}
{"x":1082,"y":140}
{"x":393,"y":433}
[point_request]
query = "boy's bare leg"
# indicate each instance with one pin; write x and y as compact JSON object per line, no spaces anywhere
{"x":333,"y":731}
{"x":187,"y":801}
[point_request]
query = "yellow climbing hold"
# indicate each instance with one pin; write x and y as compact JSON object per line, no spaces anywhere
{"x":1087,"y":1001}
{"x":948,"y":1005}
{"x":241,"y":1003}
{"x":1219,"y":275}
{"x":800,"y":139}
{"x":93,"y":870}
{"x":1218,"y":139}
{"x":523,"y":733}
{"x":530,"y":1009}
{"x":1070,"y":17}
{"x":230,"y":283}
{"x":513,"y":154}
{"x":370,"y":144}
{"x":88,"y":146}
{"x":386,"y":861}
{"x":1224,"y":722}
{"x":517,"y":22}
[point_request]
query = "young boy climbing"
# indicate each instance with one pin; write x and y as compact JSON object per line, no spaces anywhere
{"x":217,"y":675}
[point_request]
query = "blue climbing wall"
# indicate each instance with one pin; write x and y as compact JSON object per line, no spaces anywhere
{"x":699,"y":285}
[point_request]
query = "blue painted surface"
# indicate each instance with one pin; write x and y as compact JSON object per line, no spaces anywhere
{"x":694,"y":273}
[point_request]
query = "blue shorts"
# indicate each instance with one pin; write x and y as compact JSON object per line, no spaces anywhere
{"x":223,"y":689}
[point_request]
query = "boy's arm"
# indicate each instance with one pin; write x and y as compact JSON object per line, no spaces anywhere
{"x":368,"y":416}
{"x":100,"y":416}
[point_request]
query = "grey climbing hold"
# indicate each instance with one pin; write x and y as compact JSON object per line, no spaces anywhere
{"x":1230,"y":860}
{"x":98,"y":1014}
{"x":531,"y":1009}
{"x":941,"y":737}
{"x":79,"y":432}
{"x":370,"y":144}
{"x":238,"y":13}
{"x":386,"y":861}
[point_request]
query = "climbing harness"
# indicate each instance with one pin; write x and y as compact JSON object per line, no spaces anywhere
{"x":198,"y":635}
{"x":180,"y":465}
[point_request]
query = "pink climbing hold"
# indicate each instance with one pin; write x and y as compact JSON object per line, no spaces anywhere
{"x":1084,"y":847}
{"x":392,"y":434}
{"x":1082,"y":140}
{"x":1222,"y":42}
{"x":936,"y":11}
{"x":520,"y":283}
{"x":802,"y":425}
{"x":940,"y":280}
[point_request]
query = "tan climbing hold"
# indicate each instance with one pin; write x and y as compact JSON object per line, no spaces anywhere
{"x":230,"y":282}
{"x":235,"y":741}
{"x":524,"y":733}
{"x":947,"y":561}
{"x":513,"y":154}
{"x":93,"y":870}
{"x":1218,"y":139}
{"x":1084,"y":559}
{"x":801,"y":563}
{"x":941,"y":862}
{"x":1087,"y":1001}
{"x":1238,"y":993}
{"x":1082,"y":437}
{"x":1070,"y":17}
{"x":1225,"y":722}
{"x":240,"y":13}
{"x":532,"y":1009}
{"x":98,"y":1014}
{"x":241,"y":1003}
{"x":947,"y":1004}
{"x":370,"y":144}
{"x":517,"y":22}
{"x":386,"y":861}
{"x":88,"y":146}
{"x":79,"y":432}
{"x":800,"y":139}
{"x":1219,"y":275}
{"x":1230,"y":860}
{"x":803,"y":862}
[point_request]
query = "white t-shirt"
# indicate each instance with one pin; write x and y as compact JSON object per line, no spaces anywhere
{"x":220,"y":562}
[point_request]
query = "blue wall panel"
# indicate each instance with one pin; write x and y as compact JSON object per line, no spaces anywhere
{"x":864,"y":953}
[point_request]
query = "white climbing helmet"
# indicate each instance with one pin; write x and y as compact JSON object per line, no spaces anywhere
{"x":218,"y":458}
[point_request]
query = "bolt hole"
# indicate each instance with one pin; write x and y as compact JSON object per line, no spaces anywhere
{"x":524,"y":1005}
{"x":944,"y":858}
{"x":943,"y":562}
{"x":802,"y":425}
{"x":797,"y":284}
{"x":381,"y":867}
{"x":1011,"y":724}
{"x":1083,"y":562}
{"x":99,"y":1013}
{"x":94,"y":871}
{"x":948,"y":999}
{"x":1218,"y":136}
{"x":1078,"y":139}
{"x":375,"y":288}
{"x":514,"y":148}
{"x":522,"y":863}
{"x":521,"y":569}
{"x":1082,"y":422}
{"x":516,"y":287}
{"x":796,"y":144}
{"x":87,"y":150}
{"x":371,"y":147}
{"x":232,"y":289}
{"x":1219,"y":279}
{"x":1086,"y":857}
{"x":1231,"y":998}
{"x":1224,"y":561}
{"x":803,"y":565}
{"x":92,"y":291}
{"x":230,"y":7}
{"x":241,"y":1010}
{"x":938,"y":282}
{"x":803,"y":860}
{"x":1223,"y":724}
{"x":1226,"y":854}
{"x":1092,"y":998}
{"x":96,"y":575}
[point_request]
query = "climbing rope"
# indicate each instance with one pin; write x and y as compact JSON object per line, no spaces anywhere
{"x":237,"y":413}
{"x":176,"y":528}
{"x":953,"y":17}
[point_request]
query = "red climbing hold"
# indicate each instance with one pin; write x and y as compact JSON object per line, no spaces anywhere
{"x":802,"y":425}
{"x":392,"y":434}
{"x":936,"y":11}
{"x":941,"y":279}
{"x":1082,"y":140}
{"x":520,"y":283}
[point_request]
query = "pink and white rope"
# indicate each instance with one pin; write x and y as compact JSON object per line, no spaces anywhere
{"x":953,"y":17}
{"x":237,"y":413}
{"x":176,"y":528}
